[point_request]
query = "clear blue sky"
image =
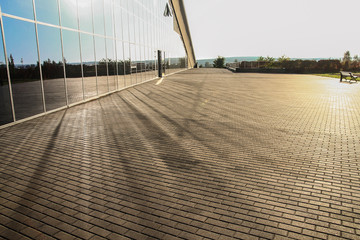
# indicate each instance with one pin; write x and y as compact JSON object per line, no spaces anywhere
{"x":296,"y":28}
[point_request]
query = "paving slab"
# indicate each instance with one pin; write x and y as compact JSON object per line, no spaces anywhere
{"x":205,"y":154}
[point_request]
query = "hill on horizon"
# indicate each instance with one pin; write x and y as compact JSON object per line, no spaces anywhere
{"x":249,"y":58}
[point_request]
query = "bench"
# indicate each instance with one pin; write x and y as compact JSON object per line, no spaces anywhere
{"x":347,"y":74}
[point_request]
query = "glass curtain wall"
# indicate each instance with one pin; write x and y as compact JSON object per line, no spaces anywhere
{"x":55,"y":53}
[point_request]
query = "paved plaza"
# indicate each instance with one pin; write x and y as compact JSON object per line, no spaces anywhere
{"x":204,"y":154}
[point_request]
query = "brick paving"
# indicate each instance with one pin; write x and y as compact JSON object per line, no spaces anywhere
{"x":207,"y":154}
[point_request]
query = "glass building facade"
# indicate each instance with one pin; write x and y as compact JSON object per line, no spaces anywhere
{"x":56,"y":53}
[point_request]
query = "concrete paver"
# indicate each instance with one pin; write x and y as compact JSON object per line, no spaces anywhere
{"x":206,"y":154}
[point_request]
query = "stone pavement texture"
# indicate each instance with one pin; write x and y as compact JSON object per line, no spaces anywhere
{"x":206,"y":154}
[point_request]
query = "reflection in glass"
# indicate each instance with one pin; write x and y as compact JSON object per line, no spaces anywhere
{"x":149,"y":66}
{"x":20,"y":8}
{"x":99,"y":16}
{"x":127,"y":62}
{"x":88,"y":63}
{"x":134,"y":77}
{"x":52,"y":67}
{"x":141,"y":59}
{"x":111,"y":61}
{"x":132,"y":28}
{"x":141,"y":32}
{"x":137,"y":30}
{"x":5,"y":102}
{"x":108,"y":11}
{"x":101,"y":65}
{"x":73,"y":66}
{"x":47,"y":11}
{"x":125,"y":25}
{"x":85,"y":15}
{"x":68,"y":9}
{"x":120,"y":65}
{"x":118,"y":21}
{"x":23,"y":66}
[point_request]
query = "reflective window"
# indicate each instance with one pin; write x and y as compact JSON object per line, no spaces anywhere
{"x":72,"y":61}
{"x":101,"y":65}
{"x":118,"y":21}
{"x":132,"y":28}
{"x":99,"y":17}
{"x":5,"y":102}
{"x":88,"y":63}
{"x":85,"y":15}
{"x":68,"y":9}
{"x":52,"y":67}
{"x":136,"y":30}
{"x":21,"y":8}
{"x":125,"y":25}
{"x":108,"y":11}
{"x":120,"y":64}
{"x":127,"y":62}
{"x":123,"y":52}
{"x":24,"y":69}
{"x":141,"y":32}
{"x":111,"y":59}
{"x":130,"y":6}
{"x":47,"y":11}
{"x":141,"y":62}
{"x":134,"y":63}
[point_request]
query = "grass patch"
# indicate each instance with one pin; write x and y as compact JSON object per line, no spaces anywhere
{"x":336,"y":75}
{"x":330,"y":75}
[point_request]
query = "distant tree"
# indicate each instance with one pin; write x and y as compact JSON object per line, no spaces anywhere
{"x":207,"y":65}
{"x":356,"y":58}
{"x":355,"y":63}
{"x":11,"y":59}
{"x":235,"y":60}
{"x":269,"y":62}
{"x":283,"y":58}
{"x":201,"y":66}
{"x":219,"y":62}
{"x":261,"y":59}
{"x":347,"y":57}
{"x":346,"y":60}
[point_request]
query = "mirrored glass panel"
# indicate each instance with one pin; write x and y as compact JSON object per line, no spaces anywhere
{"x":52,"y":67}
{"x":131,"y":28}
{"x":20,"y":8}
{"x":5,"y":102}
{"x":127,"y":63}
{"x":133,"y":62}
{"x":47,"y":11}
{"x":99,"y":25}
{"x":111,"y":60}
{"x":68,"y":9}
{"x":118,"y":21}
{"x":101,"y":65}
{"x":129,"y":6}
{"x":24,"y":68}
{"x":85,"y":15}
{"x":141,"y":62}
{"x":149,"y":67}
{"x":74,"y":81}
{"x":88,"y":63}
{"x":120,"y":64}
{"x":125,"y":25}
{"x":137,"y":30}
{"x":108,"y":11}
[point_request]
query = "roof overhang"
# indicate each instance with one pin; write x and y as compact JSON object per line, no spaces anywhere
{"x":183,"y":29}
